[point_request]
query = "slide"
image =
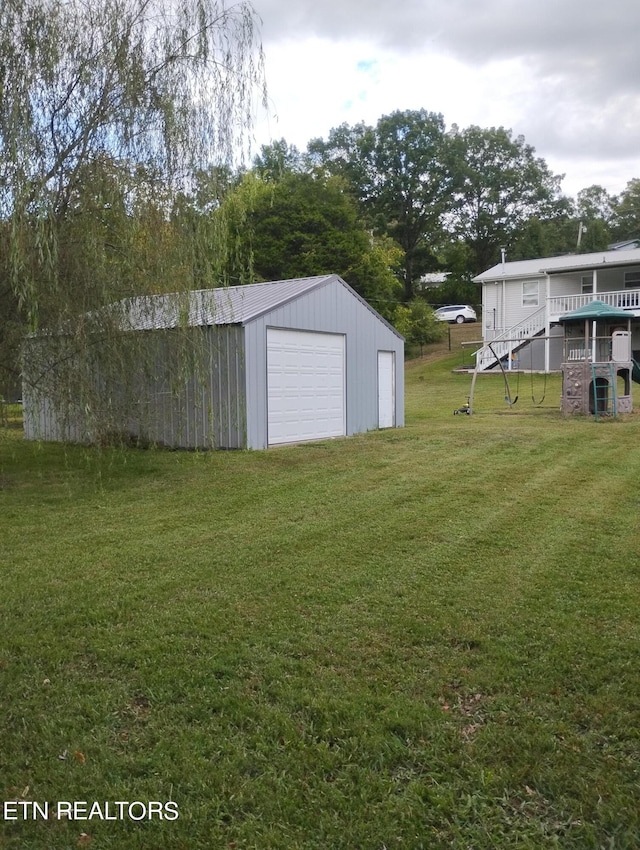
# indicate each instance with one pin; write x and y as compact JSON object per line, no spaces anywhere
{"x":635,"y":372}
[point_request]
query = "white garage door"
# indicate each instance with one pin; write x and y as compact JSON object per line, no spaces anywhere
{"x":305,"y":386}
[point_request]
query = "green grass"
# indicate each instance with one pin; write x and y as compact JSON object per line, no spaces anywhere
{"x":422,"y":638}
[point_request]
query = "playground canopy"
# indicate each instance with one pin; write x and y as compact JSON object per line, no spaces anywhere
{"x":595,"y":310}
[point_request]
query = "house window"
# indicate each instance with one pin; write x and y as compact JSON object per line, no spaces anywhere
{"x":530,"y":293}
{"x":587,"y":283}
{"x":632,"y":280}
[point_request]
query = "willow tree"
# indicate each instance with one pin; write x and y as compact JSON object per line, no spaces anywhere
{"x":108,"y":108}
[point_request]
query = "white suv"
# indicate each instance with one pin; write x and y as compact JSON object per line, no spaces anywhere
{"x":458,"y":313}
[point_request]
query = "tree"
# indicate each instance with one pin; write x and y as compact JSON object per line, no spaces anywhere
{"x":595,"y":203}
{"x":344,"y":154}
{"x":108,"y":107}
{"x":549,"y":234}
{"x":499,"y":185}
{"x":277,"y":160}
{"x":401,"y":176}
{"x":626,"y":212}
{"x":594,"y":212}
{"x":418,"y":324}
{"x":567,"y":226}
{"x":305,"y":225}
{"x":11,"y":326}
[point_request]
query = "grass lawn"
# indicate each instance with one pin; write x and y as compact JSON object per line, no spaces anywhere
{"x":417,"y":638}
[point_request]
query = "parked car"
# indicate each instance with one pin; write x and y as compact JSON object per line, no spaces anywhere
{"x":457,"y":313}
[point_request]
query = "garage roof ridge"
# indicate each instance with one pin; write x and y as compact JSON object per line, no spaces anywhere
{"x":225,"y":305}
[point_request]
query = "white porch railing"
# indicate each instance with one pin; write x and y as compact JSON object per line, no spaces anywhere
{"x":625,"y":299}
{"x":508,"y":341}
{"x":505,"y":343}
{"x":595,"y":349}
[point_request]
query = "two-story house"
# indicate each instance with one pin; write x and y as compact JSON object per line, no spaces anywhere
{"x":522,"y":302}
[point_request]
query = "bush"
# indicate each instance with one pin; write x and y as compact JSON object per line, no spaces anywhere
{"x":417,"y":323}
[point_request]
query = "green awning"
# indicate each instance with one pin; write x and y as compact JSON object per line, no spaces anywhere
{"x":596,"y":310}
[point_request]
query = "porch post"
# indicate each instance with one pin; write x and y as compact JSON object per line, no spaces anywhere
{"x":586,"y":339}
{"x":547,"y":326}
{"x":594,"y":326}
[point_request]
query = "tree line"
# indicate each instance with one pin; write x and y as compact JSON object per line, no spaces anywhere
{"x":385,"y":205}
{"x":451,"y":199}
{"x":119,"y":177}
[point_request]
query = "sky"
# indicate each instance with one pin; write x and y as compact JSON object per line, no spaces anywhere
{"x":564,"y":74}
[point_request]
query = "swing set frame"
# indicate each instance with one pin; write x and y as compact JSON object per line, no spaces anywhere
{"x":508,"y":397}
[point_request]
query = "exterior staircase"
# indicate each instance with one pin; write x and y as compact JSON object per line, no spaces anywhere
{"x":502,"y":346}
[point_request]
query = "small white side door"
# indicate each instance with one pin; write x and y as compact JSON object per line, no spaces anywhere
{"x":386,"y":389}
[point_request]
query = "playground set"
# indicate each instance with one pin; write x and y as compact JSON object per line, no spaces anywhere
{"x":598,"y":364}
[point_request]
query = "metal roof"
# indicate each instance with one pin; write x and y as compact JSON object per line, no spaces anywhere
{"x":227,"y":305}
{"x":567,"y":262}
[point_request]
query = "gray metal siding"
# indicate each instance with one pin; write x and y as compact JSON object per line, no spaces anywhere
{"x":230,"y":404}
{"x":222,"y":403}
{"x":42,"y":421}
{"x":200,"y":407}
{"x":331,"y":308}
{"x":208,"y":409}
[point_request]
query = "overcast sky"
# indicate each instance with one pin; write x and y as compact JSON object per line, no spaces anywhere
{"x":563,"y":73}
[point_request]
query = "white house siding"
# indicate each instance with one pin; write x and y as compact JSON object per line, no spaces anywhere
{"x":503,"y":299}
{"x":564,"y":284}
{"x":560,"y":292}
{"x":515,"y":310}
{"x":492,"y":309}
{"x":331,"y":308}
{"x":502,"y":304}
{"x":606,"y":280}
{"x":609,"y":280}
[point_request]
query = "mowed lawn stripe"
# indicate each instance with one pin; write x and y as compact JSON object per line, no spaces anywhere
{"x":417,"y":638}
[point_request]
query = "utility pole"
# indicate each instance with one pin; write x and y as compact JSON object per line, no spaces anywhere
{"x":582,"y":228}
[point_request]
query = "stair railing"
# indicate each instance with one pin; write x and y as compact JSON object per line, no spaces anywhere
{"x":504,"y":344}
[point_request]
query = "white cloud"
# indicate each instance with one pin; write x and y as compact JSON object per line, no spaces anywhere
{"x":561,"y":74}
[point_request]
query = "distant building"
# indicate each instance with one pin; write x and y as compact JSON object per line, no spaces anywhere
{"x":627,"y":245}
{"x":431,"y":280}
{"x":522,"y":302}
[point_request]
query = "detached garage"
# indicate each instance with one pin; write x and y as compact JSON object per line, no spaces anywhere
{"x":286,"y":361}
